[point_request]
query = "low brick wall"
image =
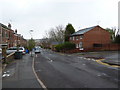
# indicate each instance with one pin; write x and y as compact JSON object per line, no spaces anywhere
{"x":9,"y":57}
{"x":106,"y":47}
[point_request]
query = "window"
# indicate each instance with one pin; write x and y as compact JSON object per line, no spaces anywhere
{"x":97,"y":45}
{"x":70,"y":38}
{"x":77,"y":38}
{"x":81,"y":45}
{"x":73,"y":38}
{"x":77,"y":45}
{"x":81,"y":36}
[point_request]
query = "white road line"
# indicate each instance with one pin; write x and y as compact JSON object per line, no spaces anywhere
{"x":83,"y":64}
{"x":88,"y":59}
{"x":36,"y":55}
{"x":98,"y":75}
{"x":93,"y":59}
{"x":5,"y":75}
{"x":40,"y":82}
{"x":38,"y":70}
{"x":49,"y":59}
{"x":79,"y":57}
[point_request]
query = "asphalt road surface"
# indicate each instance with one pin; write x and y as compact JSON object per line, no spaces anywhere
{"x":19,"y":74}
{"x":57,"y":70}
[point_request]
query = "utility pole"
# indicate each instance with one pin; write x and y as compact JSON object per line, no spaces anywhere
{"x":31,"y":39}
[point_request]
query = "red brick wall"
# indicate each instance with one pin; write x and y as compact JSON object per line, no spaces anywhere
{"x":98,"y":36}
{"x":95,"y":36}
{"x":107,"y":47}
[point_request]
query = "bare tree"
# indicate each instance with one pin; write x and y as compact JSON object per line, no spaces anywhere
{"x":53,"y":35}
{"x":57,"y":34}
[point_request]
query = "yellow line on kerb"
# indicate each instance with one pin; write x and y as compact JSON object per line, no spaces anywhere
{"x":99,"y":61}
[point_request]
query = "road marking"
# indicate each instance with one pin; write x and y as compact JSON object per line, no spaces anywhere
{"x":88,"y":59}
{"x":5,"y":75}
{"x":83,"y":64}
{"x":36,"y":55}
{"x":49,"y":59}
{"x":38,"y":70}
{"x":98,"y":75}
{"x":99,"y":61}
{"x":40,"y":82}
{"x":80,"y":57}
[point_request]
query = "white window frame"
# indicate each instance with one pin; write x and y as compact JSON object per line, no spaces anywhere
{"x":73,"y":38}
{"x":77,"y":38}
{"x":81,"y":36}
{"x":81,"y":46}
{"x":77,"y":45}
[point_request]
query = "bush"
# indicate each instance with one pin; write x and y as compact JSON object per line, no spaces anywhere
{"x":65,"y":46}
{"x":117,"y":39}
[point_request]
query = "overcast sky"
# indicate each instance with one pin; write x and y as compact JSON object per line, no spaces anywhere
{"x":41,"y":15}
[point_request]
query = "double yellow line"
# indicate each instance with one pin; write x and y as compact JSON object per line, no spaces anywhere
{"x":100,"y":62}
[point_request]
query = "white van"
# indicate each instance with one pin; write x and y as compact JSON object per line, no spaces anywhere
{"x":37,"y":50}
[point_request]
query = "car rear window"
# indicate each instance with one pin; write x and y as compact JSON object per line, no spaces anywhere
{"x":12,"y":49}
{"x":20,"y":48}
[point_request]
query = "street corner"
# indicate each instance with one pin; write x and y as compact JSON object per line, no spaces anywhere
{"x":110,"y":63}
{"x":113,"y":63}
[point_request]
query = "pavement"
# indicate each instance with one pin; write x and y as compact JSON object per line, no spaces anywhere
{"x":19,"y":74}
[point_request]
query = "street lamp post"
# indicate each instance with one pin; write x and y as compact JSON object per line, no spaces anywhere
{"x":31,"y":39}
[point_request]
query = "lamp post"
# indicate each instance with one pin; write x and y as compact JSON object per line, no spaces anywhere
{"x":31,"y":40}
{"x":31,"y":33}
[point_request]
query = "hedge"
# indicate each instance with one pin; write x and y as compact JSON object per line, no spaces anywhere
{"x":65,"y":46}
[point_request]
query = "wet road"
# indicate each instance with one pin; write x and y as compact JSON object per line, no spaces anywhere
{"x":57,"y":70}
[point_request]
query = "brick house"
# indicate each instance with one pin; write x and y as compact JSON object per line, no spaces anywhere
{"x":6,"y":35}
{"x":9,"y":37}
{"x":90,"y":38}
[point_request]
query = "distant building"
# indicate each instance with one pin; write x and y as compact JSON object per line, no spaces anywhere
{"x":90,"y":38}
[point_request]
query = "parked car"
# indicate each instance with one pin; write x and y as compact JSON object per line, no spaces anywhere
{"x":22,"y":49}
{"x":14,"y":49}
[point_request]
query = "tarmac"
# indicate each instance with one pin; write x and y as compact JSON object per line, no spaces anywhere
{"x":109,"y":57}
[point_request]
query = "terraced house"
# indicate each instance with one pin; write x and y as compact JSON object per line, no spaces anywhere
{"x":90,"y":38}
{"x":10,"y":37}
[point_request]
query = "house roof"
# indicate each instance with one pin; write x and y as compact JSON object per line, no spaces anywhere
{"x":55,"y":43}
{"x":4,"y":26}
{"x":82,"y":31}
